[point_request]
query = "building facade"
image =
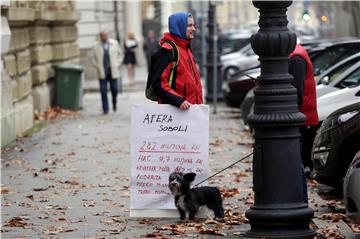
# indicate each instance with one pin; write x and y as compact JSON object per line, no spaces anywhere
{"x":35,"y":35}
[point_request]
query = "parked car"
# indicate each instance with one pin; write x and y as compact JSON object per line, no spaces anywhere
{"x":330,"y":102}
{"x":343,"y":91}
{"x":330,"y":74}
{"x":343,"y":74}
{"x":234,"y":41}
{"x":332,"y":54}
{"x":243,"y":59}
{"x":330,"y":98}
{"x":247,"y":105}
{"x":351,"y":190}
{"x":335,"y":145}
{"x":348,"y":79}
{"x":235,"y":90}
{"x":317,"y":45}
{"x":326,"y":59}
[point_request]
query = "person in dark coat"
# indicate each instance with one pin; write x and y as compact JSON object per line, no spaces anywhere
{"x":130,"y":45}
{"x":151,"y":45}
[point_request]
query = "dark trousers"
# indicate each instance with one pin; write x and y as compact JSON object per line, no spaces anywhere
{"x":303,"y":130}
{"x":148,"y":61}
{"x":104,"y":90}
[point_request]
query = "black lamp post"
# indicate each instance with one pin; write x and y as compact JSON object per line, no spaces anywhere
{"x":212,"y":95}
{"x":279,"y":210}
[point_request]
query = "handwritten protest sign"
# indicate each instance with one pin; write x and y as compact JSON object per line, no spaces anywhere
{"x":165,"y":139}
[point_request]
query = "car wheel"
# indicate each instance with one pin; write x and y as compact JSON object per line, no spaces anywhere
{"x":229,"y":72}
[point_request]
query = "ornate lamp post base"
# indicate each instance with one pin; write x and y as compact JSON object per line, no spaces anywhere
{"x":279,"y":210}
{"x":280,"y":223}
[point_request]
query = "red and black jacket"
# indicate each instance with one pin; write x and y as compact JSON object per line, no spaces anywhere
{"x":186,"y":83}
{"x":308,"y":101}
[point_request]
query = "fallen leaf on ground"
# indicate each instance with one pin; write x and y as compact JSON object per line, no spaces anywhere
{"x":229,"y":192}
{"x":239,"y":175}
{"x":235,"y":218}
{"x":4,"y":190}
{"x":332,"y":232}
{"x":246,"y":144}
{"x":248,"y":200}
{"x":51,"y":162}
{"x":56,"y":113}
{"x":45,"y":170}
{"x":71,"y":154}
{"x":107,"y":222}
{"x":174,"y":228}
{"x":53,"y":230}
{"x":118,"y":219}
{"x":16,"y":222}
{"x":31,"y":197}
{"x":16,"y":161}
{"x":60,"y":219}
{"x":355,"y":227}
{"x":334,"y":217}
{"x":71,"y":182}
{"x":211,"y":231}
{"x":40,"y":189}
{"x":145,"y":221}
{"x":155,"y":235}
{"x":216,"y":142}
{"x":312,"y":182}
{"x":100,"y":213}
{"x":57,"y":207}
{"x":88,"y":203}
{"x":117,"y":231}
{"x":210,"y":221}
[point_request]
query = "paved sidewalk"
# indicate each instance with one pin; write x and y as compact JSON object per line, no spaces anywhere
{"x":71,"y":179}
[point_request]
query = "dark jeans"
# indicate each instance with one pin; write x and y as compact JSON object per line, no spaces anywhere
{"x":302,"y":148}
{"x":104,"y":90}
{"x":148,"y":61}
{"x":308,"y":134}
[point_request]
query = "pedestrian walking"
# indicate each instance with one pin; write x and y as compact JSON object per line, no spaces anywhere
{"x":106,"y":57}
{"x":130,"y":45}
{"x":300,"y":67}
{"x":151,"y":45}
{"x":185,"y":86}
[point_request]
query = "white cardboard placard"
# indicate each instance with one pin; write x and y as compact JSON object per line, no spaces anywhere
{"x":164,"y":139}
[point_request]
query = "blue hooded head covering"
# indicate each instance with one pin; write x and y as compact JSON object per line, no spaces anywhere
{"x":178,"y":24}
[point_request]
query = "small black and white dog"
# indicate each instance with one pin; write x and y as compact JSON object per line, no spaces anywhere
{"x":188,"y":200}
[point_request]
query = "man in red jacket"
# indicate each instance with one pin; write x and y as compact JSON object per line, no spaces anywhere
{"x":300,"y":67}
{"x":186,"y":88}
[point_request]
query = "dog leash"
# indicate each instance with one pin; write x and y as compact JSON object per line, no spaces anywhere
{"x":224,"y":169}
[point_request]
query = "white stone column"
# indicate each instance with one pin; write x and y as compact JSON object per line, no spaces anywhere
{"x":166,"y":12}
{"x":133,"y":23}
